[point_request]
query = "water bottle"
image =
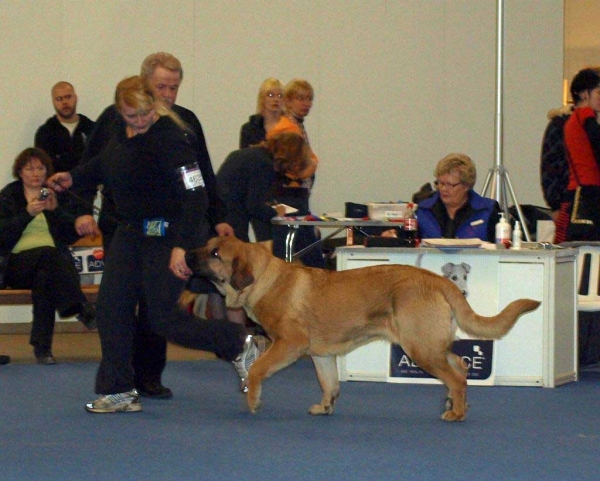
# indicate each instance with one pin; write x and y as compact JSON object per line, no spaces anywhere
{"x":410,"y":226}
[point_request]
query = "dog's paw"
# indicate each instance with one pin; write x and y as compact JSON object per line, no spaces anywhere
{"x":449,"y":404}
{"x":451,"y":416}
{"x":255,"y":407}
{"x":318,"y":410}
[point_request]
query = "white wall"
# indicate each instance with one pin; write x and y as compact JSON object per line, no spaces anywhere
{"x":582,"y":37}
{"x":399,"y":83}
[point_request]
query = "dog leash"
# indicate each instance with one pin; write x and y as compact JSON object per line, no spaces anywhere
{"x":95,"y":208}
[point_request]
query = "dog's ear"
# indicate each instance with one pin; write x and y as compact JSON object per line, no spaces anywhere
{"x":466,"y":267}
{"x":241,"y":274}
{"x":447,"y":269}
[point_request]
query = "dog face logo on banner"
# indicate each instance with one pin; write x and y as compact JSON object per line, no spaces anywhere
{"x":458,"y":274}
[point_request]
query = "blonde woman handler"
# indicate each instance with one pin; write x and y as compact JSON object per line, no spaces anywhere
{"x":152,"y":172}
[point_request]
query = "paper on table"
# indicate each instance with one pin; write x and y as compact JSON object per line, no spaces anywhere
{"x":464,"y":243}
{"x":288,"y":209}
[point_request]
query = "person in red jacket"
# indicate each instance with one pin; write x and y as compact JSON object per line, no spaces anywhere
{"x":582,"y":142}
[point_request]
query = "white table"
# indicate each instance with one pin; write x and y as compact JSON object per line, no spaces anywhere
{"x":541,"y":350}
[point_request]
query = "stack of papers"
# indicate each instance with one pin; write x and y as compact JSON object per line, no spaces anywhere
{"x":455,"y":243}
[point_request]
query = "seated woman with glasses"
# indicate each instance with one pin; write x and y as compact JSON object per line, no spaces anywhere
{"x":456,"y":210}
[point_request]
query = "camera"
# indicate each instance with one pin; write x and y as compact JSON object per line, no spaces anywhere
{"x":44,"y":193}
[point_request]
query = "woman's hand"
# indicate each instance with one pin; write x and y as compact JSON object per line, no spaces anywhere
{"x":86,"y":225}
{"x":36,"y":206}
{"x":60,"y":181}
{"x":178,"y":265}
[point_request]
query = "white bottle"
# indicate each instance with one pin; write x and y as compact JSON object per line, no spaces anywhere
{"x":503,"y":231}
{"x":517,"y":236}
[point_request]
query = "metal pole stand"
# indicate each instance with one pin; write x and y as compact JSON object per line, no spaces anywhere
{"x":497,"y":180}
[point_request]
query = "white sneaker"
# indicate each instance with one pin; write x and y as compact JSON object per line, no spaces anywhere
{"x":116,"y":403}
{"x":245,"y":360}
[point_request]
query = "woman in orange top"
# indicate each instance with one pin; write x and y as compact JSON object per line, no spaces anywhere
{"x":298,"y":96}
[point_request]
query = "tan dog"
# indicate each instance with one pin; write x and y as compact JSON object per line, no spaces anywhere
{"x":325,"y":313}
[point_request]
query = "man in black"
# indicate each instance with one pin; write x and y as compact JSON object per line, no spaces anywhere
{"x":64,"y":135}
{"x":164,"y":73}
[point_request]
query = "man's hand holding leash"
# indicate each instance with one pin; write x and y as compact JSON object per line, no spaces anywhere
{"x":60,"y":181}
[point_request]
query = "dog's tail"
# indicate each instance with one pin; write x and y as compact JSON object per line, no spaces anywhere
{"x":483,"y":327}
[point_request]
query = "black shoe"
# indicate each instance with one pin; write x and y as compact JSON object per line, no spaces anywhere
{"x":154,"y":390}
{"x":87,"y":316}
{"x":44,"y":356}
{"x":4,"y":359}
{"x":46,"y":360}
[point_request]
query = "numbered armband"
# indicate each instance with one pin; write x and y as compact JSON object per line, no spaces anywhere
{"x":190,"y":176}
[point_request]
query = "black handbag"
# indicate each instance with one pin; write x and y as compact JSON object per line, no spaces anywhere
{"x":586,"y":205}
{"x":584,"y":220}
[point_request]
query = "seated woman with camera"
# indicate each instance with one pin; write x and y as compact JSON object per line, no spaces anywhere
{"x":35,"y":233}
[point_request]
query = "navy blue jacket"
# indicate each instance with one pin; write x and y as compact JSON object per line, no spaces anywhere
{"x":554,"y":168}
{"x":477,"y":219}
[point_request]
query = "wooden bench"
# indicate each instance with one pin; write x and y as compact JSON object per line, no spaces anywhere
{"x":22,"y":297}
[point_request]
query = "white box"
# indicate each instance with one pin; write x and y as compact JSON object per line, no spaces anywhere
{"x":387,"y":211}
{"x":545,"y":231}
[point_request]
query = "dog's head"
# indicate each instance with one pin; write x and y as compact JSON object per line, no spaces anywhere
{"x":225,"y":261}
{"x":457,"y":273}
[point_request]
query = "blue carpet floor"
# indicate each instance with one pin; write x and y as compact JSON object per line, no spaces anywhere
{"x":379,"y":431}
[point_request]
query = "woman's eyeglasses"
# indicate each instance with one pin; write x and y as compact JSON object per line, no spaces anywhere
{"x":445,"y":185}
